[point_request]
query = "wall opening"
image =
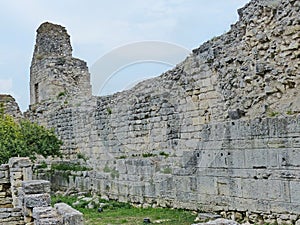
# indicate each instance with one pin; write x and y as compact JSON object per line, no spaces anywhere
{"x":36,"y":93}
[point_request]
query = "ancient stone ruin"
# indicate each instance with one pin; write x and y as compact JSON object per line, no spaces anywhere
{"x":219,"y":132}
{"x":9,"y":106}
{"x":24,"y":201}
{"x":54,"y":72}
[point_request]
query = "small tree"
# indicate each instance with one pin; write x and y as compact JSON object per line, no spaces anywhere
{"x":11,"y":140}
{"x":39,"y":140}
{"x":26,"y":139}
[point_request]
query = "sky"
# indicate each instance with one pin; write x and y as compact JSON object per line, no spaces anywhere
{"x":101,"y":30}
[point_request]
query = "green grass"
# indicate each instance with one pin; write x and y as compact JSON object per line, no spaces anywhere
{"x":145,"y":155}
{"x":273,"y":114}
{"x":123,"y":213}
{"x":60,"y":94}
{"x":164,"y":154}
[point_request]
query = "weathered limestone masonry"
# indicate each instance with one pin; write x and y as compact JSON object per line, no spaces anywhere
{"x":24,"y":201}
{"x":218,"y":132}
{"x":54,"y":72}
{"x":10,"y":106}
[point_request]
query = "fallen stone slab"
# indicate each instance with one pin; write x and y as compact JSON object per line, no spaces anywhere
{"x":205,"y":216}
{"x":70,"y":216}
{"x":43,"y":212}
{"x":219,"y":222}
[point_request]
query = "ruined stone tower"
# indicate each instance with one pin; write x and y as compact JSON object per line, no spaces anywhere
{"x":219,"y":132}
{"x":54,"y":72}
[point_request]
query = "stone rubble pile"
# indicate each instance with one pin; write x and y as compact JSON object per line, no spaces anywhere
{"x":27,"y":202}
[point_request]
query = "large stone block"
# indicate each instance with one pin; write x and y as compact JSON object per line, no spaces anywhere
{"x":37,"y":200}
{"x":19,"y":162}
{"x":43,"y":212}
{"x":70,"y":215}
{"x":207,"y":185}
{"x":36,"y":186}
{"x":49,"y":221}
{"x":295,"y":191}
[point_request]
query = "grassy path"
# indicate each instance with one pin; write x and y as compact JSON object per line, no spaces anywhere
{"x":115,"y":213}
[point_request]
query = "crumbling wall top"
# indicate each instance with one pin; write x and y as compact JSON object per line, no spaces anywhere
{"x":54,"y":72}
{"x":10,"y":106}
{"x":52,"y":41}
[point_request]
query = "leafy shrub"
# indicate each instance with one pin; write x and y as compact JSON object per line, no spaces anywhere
{"x":26,"y":139}
{"x":69,"y":167}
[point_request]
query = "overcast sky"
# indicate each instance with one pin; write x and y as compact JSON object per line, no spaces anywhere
{"x":99,"y":27}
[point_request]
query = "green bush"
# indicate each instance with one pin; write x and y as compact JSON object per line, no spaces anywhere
{"x":26,"y":139}
{"x":69,"y":167}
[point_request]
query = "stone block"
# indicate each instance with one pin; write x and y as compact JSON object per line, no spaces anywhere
{"x":70,"y":216}
{"x":50,"y":221}
{"x":16,"y":175}
{"x":207,"y":185}
{"x":256,"y":158}
{"x":27,"y":173}
{"x":43,"y":212}
{"x":19,"y":162}
{"x":4,"y":215}
{"x":236,"y":114}
{"x":36,"y":186}
{"x":295,"y":191}
{"x":37,"y":200}
{"x":2,"y":194}
{"x":229,"y":186}
{"x":3,"y":174}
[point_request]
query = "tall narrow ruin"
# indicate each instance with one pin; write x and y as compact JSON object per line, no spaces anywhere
{"x":54,"y":72}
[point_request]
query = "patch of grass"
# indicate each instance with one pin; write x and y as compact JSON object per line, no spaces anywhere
{"x":123,"y":213}
{"x":106,"y":169}
{"x":43,"y":165}
{"x":60,"y":94}
{"x":113,"y":172}
{"x":39,"y":57}
{"x":81,"y":156}
{"x":145,"y":155}
{"x":273,"y":114}
{"x":209,"y":60}
{"x":167,"y":170}
{"x":164,"y":154}
{"x":109,"y":111}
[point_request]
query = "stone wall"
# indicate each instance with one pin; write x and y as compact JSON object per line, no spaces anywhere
{"x":204,"y":135}
{"x":11,"y":176}
{"x":10,"y":106}
{"x":250,"y":167}
{"x":5,"y":191}
{"x":24,"y":201}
